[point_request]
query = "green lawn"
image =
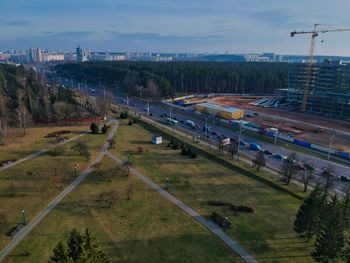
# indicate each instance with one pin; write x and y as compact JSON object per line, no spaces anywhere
{"x":267,"y":233}
{"x":18,"y":146}
{"x":145,"y":228}
{"x":31,"y":185}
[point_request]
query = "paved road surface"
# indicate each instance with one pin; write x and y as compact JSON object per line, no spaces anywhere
{"x":215,"y":229}
{"x":29,"y":227}
{"x":40,"y":152}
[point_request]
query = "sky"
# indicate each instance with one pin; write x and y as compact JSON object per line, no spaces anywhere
{"x":233,"y":26}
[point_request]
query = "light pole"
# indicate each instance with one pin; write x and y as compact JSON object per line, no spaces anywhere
{"x":148,"y":107}
{"x":75,"y":169}
{"x":24,"y":217}
{"x":206,"y":127}
{"x":330,"y":147}
{"x":127,"y":100}
{"x":276,"y":135}
{"x":239,"y":139}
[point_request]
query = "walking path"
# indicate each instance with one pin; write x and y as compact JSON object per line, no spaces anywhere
{"x":215,"y":229}
{"x":29,"y":227}
{"x":40,"y":152}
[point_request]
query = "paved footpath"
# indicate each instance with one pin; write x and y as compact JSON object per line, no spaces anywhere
{"x":40,"y":152}
{"x":29,"y":227}
{"x":215,"y":229}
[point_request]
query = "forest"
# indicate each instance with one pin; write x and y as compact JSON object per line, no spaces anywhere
{"x":159,"y":80}
{"x":25,"y":98}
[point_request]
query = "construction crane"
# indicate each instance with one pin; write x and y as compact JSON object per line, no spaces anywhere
{"x":314,"y":33}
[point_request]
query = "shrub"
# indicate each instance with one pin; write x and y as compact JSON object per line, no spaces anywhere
{"x":130,"y":123}
{"x":104,"y":129}
{"x":56,"y":151}
{"x":241,"y":208}
{"x":193,"y":155}
{"x":184,"y":151}
{"x":94,"y":128}
{"x":139,"y":149}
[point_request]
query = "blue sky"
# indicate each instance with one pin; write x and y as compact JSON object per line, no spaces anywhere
{"x":234,"y":26}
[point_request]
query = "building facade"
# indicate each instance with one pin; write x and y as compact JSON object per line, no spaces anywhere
{"x":329,"y":90}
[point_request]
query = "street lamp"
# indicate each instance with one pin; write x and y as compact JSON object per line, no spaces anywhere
{"x":239,"y":139}
{"x":75,"y":169}
{"x":330,"y":147}
{"x":24,"y":217}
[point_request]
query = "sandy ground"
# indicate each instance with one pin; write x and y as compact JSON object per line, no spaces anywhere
{"x":301,"y":126}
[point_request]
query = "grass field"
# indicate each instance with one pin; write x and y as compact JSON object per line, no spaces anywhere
{"x":18,"y":146}
{"x":267,"y":233}
{"x":33,"y":184}
{"x":145,"y":228}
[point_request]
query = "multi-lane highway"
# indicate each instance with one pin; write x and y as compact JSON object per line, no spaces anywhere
{"x":160,"y":111}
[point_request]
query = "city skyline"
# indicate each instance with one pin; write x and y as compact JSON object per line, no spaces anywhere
{"x":164,"y":26}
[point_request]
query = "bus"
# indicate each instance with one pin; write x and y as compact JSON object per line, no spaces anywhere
{"x":172,"y":121}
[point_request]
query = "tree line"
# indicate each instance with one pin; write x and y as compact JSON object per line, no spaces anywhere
{"x":166,"y":79}
{"x":26,"y":98}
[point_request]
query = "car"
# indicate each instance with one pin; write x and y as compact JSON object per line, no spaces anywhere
{"x":207,"y":136}
{"x":174,"y":118}
{"x":224,"y":136}
{"x":279,"y":157}
{"x":161,"y":115}
{"x":124,"y":100}
{"x":197,"y":126}
{"x":255,"y":114}
{"x":267,"y":152}
{"x":150,"y":114}
{"x":214,"y":133}
{"x":165,"y":115}
{"x":182,"y":121}
{"x":243,"y":143}
{"x":190,"y":123}
{"x":344,"y":178}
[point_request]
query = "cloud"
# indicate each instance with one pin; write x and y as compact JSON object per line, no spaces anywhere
{"x":15,"y":22}
{"x":276,"y":17}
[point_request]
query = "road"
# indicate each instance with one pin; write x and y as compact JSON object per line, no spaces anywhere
{"x":158,"y":109}
{"x":30,"y":226}
{"x":215,"y":229}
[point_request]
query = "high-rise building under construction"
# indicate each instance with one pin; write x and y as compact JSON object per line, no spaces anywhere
{"x":328,"y":93}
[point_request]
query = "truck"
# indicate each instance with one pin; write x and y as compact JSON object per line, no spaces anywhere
{"x":254,"y":146}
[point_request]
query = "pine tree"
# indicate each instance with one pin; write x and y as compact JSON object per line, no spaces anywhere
{"x":330,"y":240}
{"x":79,"y":249}
{"x":346,"y":210}
{"x":60,"y":254}
{"x":306,"y":221}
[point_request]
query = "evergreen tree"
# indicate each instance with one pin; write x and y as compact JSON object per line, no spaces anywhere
{"x":79,"y":249}
{"x":307,"y":218}
{"x":346,"y":210}
{"x":330,"y":240}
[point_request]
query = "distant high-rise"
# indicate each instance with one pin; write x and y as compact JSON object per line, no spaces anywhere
{"x":34,"y":55}
{"x":82,"y":55}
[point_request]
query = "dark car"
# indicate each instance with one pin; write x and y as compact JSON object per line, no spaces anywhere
{"x":151,"y":114}
{"x":214,"y":133}
{"x":344,"y":178}
{"x":267,"y":152}
{"x":279,"y":157}
{"x":182,"y":121}
{"x":207,"y":136}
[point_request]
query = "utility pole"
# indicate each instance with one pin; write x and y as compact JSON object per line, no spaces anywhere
{"x":239,"y":139}
{"x":148,"y":107}
{"x":330,"y":147}
{"x":127,"y":100}
{"x":24,"y":217}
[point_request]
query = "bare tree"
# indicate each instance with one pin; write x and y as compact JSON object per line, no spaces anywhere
{"x":307,"y":174}
{"x":129,"y":191}
{"x":3,"y":120}
{"x":82,"y":148}
{"x":328,"y":174}
{"x":288,"y":167}
{"x":260,"y":160}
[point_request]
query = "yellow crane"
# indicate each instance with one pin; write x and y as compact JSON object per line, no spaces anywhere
{"x":314,"y":33}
